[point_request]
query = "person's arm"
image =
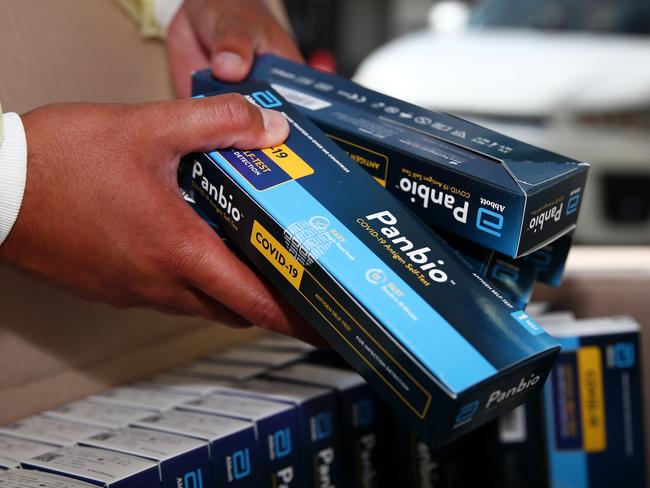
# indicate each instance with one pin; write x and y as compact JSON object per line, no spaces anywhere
{"x":224,"y":35}
{"x":13,"y":169}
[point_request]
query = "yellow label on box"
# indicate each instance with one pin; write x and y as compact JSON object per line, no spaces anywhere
{"x":289,"y":161}
{"x":592,"y":399}
{"x":278,"y":255}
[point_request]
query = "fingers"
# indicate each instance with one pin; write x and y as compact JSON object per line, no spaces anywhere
{"x":222,"y":121}
{"x":219,"y":274}
{"x":215,"y":284}
{"x":235,"y":47}
{"x":224,"y":278}
{"x":296,"y":326}
{"x":241,"y":32}
{"x":194,"y":302}
{"x":185,"y":53}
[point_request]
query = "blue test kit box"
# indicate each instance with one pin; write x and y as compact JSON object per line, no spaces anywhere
{"x":231,"y":443}
{"x":457,"y":176}
{"x":516,"y":448}
{"x":98,"y":414}
{"x":24,"y":478}
{"x":593,"y":406}
{"x":276,"y":428}
{"x":437,"y":341}
{"x":183,"y":462}
{"x":98,"y":467}
{"x":361,"y":434}
{"x":151,"y":398}
{"x":549,"y":262}
{"x":50,"y":431}
{"x":514,"y":278}
{"x":318,"y":418}
{"x":419,"y":466}
{"x":14,"y":450}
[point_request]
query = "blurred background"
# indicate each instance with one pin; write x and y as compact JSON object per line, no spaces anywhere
{"x":572,"y":76}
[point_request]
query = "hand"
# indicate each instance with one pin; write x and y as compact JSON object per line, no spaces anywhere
{"x":225,"y":35}
{"x":103,"y":217}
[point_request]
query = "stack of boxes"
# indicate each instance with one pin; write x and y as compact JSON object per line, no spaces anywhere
{"x":433,"y":336}
{"x":306,"y":423}
{"x":505,"y":208}
{"x":432,"y":322}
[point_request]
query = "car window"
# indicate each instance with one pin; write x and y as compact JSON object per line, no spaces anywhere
{"x":600,"y":16}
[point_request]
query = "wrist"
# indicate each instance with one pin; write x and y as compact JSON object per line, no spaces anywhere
{"x":13,"y":172}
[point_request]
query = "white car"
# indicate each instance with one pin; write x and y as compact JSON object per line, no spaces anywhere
{"x":573,"y":77}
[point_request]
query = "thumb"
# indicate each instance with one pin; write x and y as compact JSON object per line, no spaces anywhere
{"x":203,"y":124}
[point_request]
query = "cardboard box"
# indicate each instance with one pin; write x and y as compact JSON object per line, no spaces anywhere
{"x":50,"y":431}
{"x":593,"y":406}
{"x":478,"y":184}
{"x":13,"y":450}
{"x":276,"y":429}
{"x":24,"y":478}
{"x":182,"y":461}
{"x":97,"y":414}
{"x":360,"y":430}
{"x":318,"y":417}
{"x":232,"y":443}
{"x":439,"y":343}
{"x":98,"y":467}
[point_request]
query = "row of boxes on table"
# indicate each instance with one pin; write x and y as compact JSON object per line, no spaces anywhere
{"x":260,"y":415}
{"x":243,"y":417}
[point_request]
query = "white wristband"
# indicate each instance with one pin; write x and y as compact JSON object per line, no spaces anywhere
{"x":164,"y":12}
{"x":13,"y":172}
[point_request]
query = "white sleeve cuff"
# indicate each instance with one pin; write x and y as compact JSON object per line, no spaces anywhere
{"x":164,"y":12}
{"x":13,"y":172}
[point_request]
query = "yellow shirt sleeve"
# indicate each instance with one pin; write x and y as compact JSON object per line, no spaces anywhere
{"x":142,"y":13}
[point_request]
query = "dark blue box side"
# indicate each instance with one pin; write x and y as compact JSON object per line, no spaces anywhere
{"x":190,"y":469}
{"x":235,"y":457}
{"x":319,"y":429}
{"x":280,"y":443}
{"x":237,"y":462}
